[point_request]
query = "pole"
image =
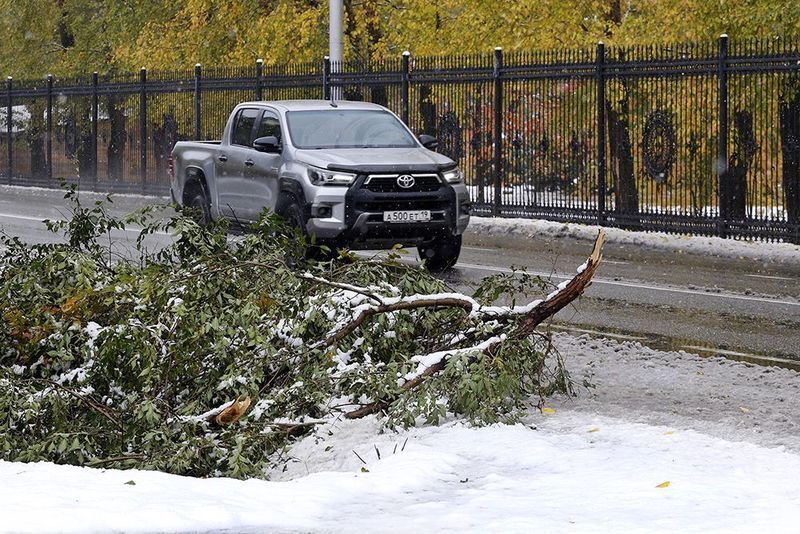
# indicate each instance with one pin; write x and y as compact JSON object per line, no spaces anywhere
{"x":95,"y":117}
{"x":259,"y":71}
{"x":404,"y":85}
{"x":49,"y":134}
{"x":197,"y":74}
{"x":9,"y":129}
{"x":143,"y":127}
{"x":722,"y":149}
{"x":601,"y":133}
{"x":498,"y":131}
{"x":335,"y":39}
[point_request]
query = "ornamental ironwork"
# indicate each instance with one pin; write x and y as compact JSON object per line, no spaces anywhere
{"x":659,"y":144}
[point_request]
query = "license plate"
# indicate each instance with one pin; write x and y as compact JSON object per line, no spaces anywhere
{"x":407,"y":216}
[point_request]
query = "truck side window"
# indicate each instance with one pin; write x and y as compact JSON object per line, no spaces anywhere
{"x":269,"y":126}
{"x":243,"y":127}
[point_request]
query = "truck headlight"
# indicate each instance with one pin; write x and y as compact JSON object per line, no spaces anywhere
{"x":453,"y":176}
{"x":325,"y":177}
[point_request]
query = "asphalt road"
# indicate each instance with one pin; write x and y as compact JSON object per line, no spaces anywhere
{"x":703,"y":304}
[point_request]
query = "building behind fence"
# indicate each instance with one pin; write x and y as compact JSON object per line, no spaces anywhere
{"x":695,"y":138}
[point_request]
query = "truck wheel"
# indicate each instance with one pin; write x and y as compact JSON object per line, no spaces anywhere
{"x":292,"y":213}
{"x":441,"y":254}
{"x":199,"y":205}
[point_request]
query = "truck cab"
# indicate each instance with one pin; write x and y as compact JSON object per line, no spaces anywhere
{"x":349,"y":173}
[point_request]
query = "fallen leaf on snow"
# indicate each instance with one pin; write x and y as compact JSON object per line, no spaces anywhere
{"x":594,"y":429}
{"x":548,"y":410}
{"x":663,"y":484}
{"x":744,"y":409}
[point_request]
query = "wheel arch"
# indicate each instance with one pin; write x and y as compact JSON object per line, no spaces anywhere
{"x":195,"y":180}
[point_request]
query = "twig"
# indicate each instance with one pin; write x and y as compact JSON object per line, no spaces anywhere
{"x":83,"y":398}
{"x":359,"y":457}
{"x":346,"y":287}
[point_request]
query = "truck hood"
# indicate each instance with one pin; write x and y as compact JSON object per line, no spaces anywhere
{"x":361,"y":160}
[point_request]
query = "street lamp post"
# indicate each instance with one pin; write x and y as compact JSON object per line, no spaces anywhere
{"x":335,"y":32}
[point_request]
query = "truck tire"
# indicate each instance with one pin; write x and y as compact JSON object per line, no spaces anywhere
{"x":441,"y":254}
{"x":200,"y":207}
{"x":292,"y":214}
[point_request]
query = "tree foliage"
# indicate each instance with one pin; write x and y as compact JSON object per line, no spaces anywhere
{"x":80,"y":36}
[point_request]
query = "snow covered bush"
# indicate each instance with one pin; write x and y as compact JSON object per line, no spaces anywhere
{"x":207,"y":357}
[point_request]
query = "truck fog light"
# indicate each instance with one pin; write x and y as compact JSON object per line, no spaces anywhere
{"x":466,"y":208}
{"x":322,"y":212}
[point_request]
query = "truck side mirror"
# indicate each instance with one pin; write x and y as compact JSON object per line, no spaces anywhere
{"x":269,"y":144}
{"x":428,"y":141}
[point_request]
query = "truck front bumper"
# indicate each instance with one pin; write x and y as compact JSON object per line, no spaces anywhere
{"x":356,"y":216}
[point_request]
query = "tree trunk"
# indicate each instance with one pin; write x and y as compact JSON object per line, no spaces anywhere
{"x":734,"y":203}
{"x":34,"y":136}
{"x":626,"y":195}
{"x":83,"y":151}
{"x":116,"y":140}
{"x":789,"y":115}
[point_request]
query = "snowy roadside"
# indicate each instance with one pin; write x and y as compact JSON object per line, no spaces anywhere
{"x":522,"y":230}
{"x":722,"y":434}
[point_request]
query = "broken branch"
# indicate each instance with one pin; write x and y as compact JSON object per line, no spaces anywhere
{"x":555,"y":302}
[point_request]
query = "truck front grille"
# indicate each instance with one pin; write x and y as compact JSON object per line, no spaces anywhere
{"x":388,"y":183}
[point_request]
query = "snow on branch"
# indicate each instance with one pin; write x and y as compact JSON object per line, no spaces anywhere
{"x":536,"y":312}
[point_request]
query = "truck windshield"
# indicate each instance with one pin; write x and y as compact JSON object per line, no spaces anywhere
{"x":347,"y":128}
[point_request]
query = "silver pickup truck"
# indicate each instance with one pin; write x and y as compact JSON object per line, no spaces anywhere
{"x":349,"y":173}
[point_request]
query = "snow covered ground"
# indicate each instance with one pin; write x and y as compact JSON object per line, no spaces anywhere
{"x":715,"y":246}
{"x":664,"y":442}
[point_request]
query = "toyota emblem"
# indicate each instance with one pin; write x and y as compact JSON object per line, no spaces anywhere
{"x":406,"y":181}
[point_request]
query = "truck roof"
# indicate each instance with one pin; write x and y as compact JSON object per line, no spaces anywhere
{"x":306,"y":105}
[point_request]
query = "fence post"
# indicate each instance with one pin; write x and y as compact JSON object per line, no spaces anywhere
{"x":259,"y":71}
{"x":326,"y":78}
{"x":49,"y":134}
{"x":143,"y":127}
{"x":9,"y":128}
{"x":601,"y":133}
{"x":197,"y":110}
{"x":498,"y":131}
{"x":404,"y":86}
{"x":722,"y":150}
{"x":95,"y":118}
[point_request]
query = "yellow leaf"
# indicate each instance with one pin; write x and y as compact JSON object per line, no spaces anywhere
{"x":548,"y":410}
{"x":744,"y":410}
{"x":668,"y":432}
{"x":594,"y":429}
{"x":663,"y":484}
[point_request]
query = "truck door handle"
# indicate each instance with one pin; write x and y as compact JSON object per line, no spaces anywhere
{"x":223,"y":158}
{"x":249,"y":163}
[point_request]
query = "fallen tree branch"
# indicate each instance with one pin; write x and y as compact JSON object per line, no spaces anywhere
{"x":555,"y":302}
{"x":223,"y":415}
{"x":445,"y":300}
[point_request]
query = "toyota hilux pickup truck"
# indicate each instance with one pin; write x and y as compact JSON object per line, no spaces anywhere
{"x":351,"y":174}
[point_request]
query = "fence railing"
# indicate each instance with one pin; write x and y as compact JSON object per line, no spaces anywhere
{"x":697,"y":138}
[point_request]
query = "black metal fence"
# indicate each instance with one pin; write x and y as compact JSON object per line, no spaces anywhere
{"x":699,"y":138}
